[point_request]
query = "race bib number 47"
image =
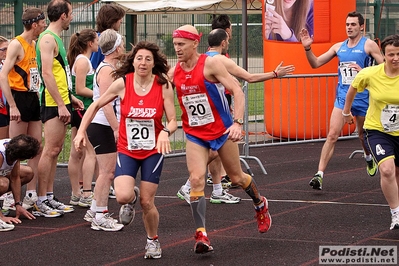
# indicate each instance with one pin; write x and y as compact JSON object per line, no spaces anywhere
{"x":389,"y":118}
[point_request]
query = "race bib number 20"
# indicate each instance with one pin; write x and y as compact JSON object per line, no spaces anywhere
{"x":199,"y":111}
{"x":140,"y":134}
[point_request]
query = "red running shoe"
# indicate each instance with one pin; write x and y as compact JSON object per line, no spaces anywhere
{"x":263,"y":217}
{"x":202,"y":243}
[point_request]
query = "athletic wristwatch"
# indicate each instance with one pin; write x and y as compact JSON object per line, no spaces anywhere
{"x":18,"y":203}
{"x":239,"y":121}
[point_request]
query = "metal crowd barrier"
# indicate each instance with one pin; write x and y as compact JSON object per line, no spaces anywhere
{"x":255,"y":122}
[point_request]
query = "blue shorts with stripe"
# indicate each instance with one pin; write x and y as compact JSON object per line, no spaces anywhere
{"x":215,"y":144}
{"x":359,"y":106}
{"x":151,"y":167}
{"x":382,"y":146}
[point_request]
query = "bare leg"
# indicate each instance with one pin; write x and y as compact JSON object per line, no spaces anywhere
{"x":150,"y":211}
{"x":89,"y":165}
{"x":106,"y":164}
{"x":34,"y":129}
{"x":336,"y":124}
{"x":75,"y":164}
{"x":4,"y":132}
{"x":197,"y":160}
{"x":54,"y":134}
{"x":389,"y":182}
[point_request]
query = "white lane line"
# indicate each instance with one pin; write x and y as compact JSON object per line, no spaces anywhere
{"x":306,"y":201}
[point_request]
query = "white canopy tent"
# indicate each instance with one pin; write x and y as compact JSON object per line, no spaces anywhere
{"x":135,"y":7}
{"x":190,"y":6}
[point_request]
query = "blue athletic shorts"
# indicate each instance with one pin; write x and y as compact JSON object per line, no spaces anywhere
{"x":215,"y":144}
{"x":151,"y":167}
{"x":359,"y":106}
{"x":382,"y":145}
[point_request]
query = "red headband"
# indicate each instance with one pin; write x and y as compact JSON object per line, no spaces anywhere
{"x":186,"y":35}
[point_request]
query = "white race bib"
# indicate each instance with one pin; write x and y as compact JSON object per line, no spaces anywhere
{"x":390,"y":118}
{"x":347,"y":73}
{"x":34,"y":82}
{"x":198,"y":109}
{"x":69,"y":78}
{"x":140,"y":134}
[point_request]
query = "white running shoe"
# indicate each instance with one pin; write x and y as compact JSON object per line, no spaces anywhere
{"x":153,"y":249}
{"x":29,"y":201}
{"x":44,"y":209}
{"x":59,"y":206}
{"x":6,"y":226}
{"x":89,"y":216}
{"x":111,"y":193}
{"x":395,"y":221}
{"x":74,"y":200}
{"x":224,"y":198}
{"x":184,"y":195}
{"x":9,"y":203}
{"x":106,"y":223}
{"x":127,"y":212}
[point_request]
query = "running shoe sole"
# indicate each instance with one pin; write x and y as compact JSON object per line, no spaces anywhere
{"x":315,"y":184}
{"x":219,"y":201}
{"x":41,"y":214}
{"x":201,"y":248}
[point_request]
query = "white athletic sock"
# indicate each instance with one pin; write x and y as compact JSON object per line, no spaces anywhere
{"x":100,"y":212}
{"x":187,"y":186}
{"x":93,"y":205}
{"x":321,"y":173}
{"x":40,"y":199}
{"x":395,"y":211}
{"x":217,"y":189}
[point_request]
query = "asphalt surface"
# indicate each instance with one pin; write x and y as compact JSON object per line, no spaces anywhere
{"x":350,"y":210}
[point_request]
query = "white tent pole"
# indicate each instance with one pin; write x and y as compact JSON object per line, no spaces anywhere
{"x":244,"y":35}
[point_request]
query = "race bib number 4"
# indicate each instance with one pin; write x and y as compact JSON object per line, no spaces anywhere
{"x":389,"y":118}
{"x":347,"y":73}
{"x":140,"y":134}
{"x":199,"y":111}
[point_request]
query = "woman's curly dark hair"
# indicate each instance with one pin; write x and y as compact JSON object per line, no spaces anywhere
{"x":161,"y":66}
{"x":22,"y":147}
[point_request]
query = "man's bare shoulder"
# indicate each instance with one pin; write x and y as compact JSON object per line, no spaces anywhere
{"x":46,"y":40}
{"x":336,"y":46}
{"x":14,"y":51}
{"x":171,"y":73}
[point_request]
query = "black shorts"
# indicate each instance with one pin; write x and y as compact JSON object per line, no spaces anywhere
{"x":102,"y":138}
{"x":48,"y":113}
{"x":228,"y":97}
{"x":382,"y":145}
{"x":4,"y":120}
{"x":77,"y":116}
{"x":28,"y":105}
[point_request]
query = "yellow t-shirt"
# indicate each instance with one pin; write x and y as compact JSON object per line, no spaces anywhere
{"x":383,"y":111}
